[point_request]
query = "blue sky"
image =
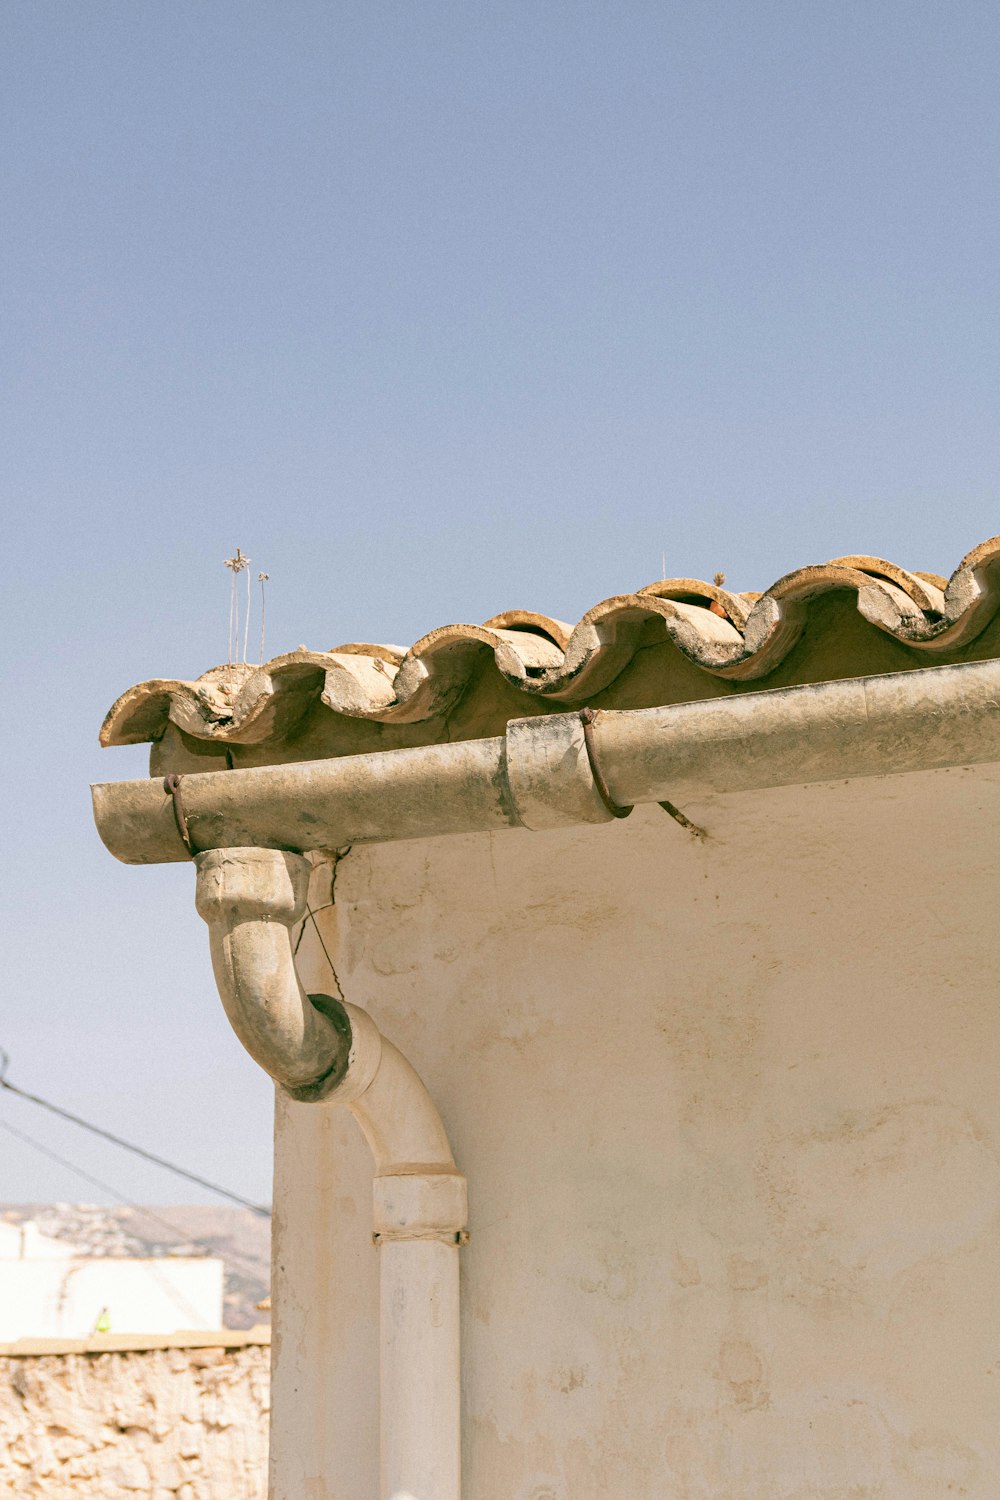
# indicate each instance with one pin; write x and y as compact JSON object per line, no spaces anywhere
{"x":434,"y":309}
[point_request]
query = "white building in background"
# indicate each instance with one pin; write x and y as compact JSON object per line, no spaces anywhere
{"x":49,"y":1290}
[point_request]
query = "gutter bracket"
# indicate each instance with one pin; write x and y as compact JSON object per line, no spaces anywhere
{"x":172,"y":786}
{"x":587,"y":717}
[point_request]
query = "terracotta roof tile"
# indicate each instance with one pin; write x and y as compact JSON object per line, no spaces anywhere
{"x":735,"y":638}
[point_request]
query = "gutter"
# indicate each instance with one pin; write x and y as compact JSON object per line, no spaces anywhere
{"x":541,"y":773}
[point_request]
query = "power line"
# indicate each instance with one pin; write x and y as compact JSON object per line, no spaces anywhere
{"x":159,"y":1161}
{"x":107,"y":1188}
{"x":97,"y":1182}
{"x":138,"y":1208}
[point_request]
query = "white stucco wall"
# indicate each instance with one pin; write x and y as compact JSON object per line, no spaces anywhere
{"x":26,"y":1241}
{"x":730,"y":1117}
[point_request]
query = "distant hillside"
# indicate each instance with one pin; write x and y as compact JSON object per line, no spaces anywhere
{"x":241,"y":1238}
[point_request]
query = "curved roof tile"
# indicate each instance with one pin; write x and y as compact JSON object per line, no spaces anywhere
{"x":733,"y":636}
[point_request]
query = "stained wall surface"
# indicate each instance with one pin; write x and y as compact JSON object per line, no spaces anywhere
{"x":730,"y":1116}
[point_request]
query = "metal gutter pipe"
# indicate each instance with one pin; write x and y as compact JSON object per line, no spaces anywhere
{"x":541,"y":774}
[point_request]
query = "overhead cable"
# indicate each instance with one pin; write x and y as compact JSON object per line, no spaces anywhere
{"x":159,"y":1161}
{"x":138,"y":1208}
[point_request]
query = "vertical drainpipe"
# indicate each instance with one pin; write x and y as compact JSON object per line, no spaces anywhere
{"x":420,"y":1374}
{"x":323,"y":1050}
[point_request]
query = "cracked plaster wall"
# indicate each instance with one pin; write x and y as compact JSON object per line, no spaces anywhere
{"x":168,"y":1424}
{"x":730,"y":1117}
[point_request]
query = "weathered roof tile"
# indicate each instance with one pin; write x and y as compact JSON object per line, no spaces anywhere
{"x":733,"y":637}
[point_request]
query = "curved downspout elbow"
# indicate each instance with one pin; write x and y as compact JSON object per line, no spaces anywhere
{"x":390,"y":1102}
{"x":319,"y":1048}
{"x":250,"y":898}
{"x":314,"y":1046}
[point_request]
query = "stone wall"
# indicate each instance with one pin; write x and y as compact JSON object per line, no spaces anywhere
{"x":173,"y":1422}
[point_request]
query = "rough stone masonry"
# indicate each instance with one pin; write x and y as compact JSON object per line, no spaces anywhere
{"x":169,"y":1423}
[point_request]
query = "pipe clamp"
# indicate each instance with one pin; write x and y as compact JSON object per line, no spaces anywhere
{"x":421,"y":1206}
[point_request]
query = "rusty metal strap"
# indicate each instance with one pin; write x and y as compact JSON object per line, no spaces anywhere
{"x":459,"y":1237}
{"x":172,"y":786}
{"x":587,"y":717}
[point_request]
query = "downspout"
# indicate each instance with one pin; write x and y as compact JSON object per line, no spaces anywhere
{"x":320,"y":1049}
